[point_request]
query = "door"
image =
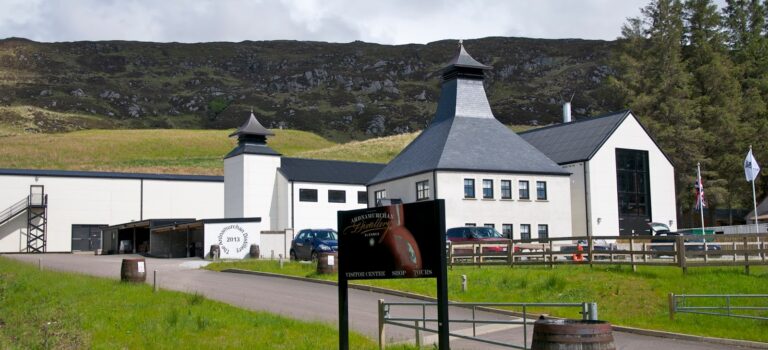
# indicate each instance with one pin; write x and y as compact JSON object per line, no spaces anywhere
{"x":634,"y":192}
{"x":86,"y":237}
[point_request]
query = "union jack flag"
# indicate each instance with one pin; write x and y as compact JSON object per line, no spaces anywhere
{"x":700,"y":201}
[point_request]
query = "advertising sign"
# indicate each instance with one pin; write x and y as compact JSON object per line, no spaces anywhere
{"x":396,"y":241}
{"x":234,"y":238}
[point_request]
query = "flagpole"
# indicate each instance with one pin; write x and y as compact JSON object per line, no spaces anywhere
{"x":754,"y":197}
{"x":701,"y":197}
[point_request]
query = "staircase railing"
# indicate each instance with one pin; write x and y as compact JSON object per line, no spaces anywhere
{"x":14,"y":209}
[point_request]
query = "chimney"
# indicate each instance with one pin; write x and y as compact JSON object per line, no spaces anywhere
{"x":566,"y":112}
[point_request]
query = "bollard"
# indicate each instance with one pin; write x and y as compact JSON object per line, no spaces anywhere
{"x":463,"y":283}
{"x":281,"y":261}
{"x":154,"y":282}
{"x":40,"y":264}
{"x":593,"y":311}
{"x":272,"y":255}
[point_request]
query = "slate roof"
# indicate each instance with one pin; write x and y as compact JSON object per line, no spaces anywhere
{"x":463,"y":59}
{"x":252,"y":139}
{"x":252,"y":127}
{"x":576,"y":141}
{"x":108,"y":175}
{"x":328,"y":171}
{"x":465,"y":136}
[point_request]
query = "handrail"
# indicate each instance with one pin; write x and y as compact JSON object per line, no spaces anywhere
{"x":14,"y":210}
{"x":679,"y":303}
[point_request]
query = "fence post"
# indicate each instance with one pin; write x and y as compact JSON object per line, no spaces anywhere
{"x":450,"y":255}
{"x":154,"y":281}
{"x":551,"y":261}
{"x":418,"y":334}
{"x":589,"y":250}
{"x":672,"y":306}
{"x":382,"y":338}
{"x":680,"y":245}
{"x":632,"y":254}
{"x":510,"y":252}
{"x":746,"y":255}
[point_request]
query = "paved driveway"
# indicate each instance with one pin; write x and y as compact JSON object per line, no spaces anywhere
{"x":310,"y":301}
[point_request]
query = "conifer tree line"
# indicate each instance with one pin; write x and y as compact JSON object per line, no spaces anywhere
{"x":697,"y":77}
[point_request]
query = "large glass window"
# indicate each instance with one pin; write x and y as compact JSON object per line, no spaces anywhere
{"x":632,"y":182}
{"x":422,"y":190}
{"x":506,"y":230}
{"x":487,"y":188}
{"x":469,"y":188}
{"x":307,"y":195}
{"x":362,"y":197}
{"x":525,"y":232}
{"x":506,"y":189}
{"x":336,"y":196}
{"x":523,"y":189}
{"x":543,"y":233}
{"x":379,"y":195}
{"x":541,"y":190}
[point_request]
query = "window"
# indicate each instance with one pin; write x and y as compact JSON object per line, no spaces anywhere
{"x":632,"y":182}
{"x":506,"y":230}
{"x":470,"y":224}
{"x":379,"y":195}
{"x":506,"y":189}
{"x":543,"y":233}
{"x":362,"y":197}
{"x":307,"y":195}
{"x":469,"y":188}
{"x":336,"y":196}
{"x":525,"y":232}
{"x":541,"y":190}
{"x":489,"y":225}
{"x":487,"y":188}
{"x":524,"y":190}
{"x":422,"y":190}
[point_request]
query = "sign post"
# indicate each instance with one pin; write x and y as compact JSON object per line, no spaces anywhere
{"x":395,"y":241}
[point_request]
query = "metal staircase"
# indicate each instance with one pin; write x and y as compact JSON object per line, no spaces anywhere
{"x":36,"y":207}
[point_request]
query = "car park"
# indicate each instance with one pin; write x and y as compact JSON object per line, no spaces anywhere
{"x":493,"y":241}
{"x":664,"y":240}
{"x":310,"y":243}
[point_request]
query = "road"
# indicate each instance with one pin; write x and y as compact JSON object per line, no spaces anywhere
{"x":313,"y":301}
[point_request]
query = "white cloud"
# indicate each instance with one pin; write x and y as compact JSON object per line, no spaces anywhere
{"x":385,"y":21}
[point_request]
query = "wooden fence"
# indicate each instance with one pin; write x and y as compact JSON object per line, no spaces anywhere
{"x":680,"y":251}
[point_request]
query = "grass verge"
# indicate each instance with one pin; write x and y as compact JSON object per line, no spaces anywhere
{"x":626,"y":298}
{"x":45,"y":309}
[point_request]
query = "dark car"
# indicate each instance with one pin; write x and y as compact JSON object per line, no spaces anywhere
{"x":309,"y":243}
{"x":663,"y":241}
{"x":472,"y":234}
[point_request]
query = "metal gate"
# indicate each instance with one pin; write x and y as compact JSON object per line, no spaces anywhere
{"x":86,"y":237}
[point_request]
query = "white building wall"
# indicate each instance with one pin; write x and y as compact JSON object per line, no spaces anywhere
{"x":183,"y":199}
{"x":283,"y":196}
{"x":554,"y":212}
{"x":250,"y":187}
{"x":578,"y":199}
{"x":602,"y":180}
{"x":233,"y":187}
{"x":322,"y":214}
{"x":103,"y":201}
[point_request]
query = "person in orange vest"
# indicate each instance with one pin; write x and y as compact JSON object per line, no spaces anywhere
{"x":578,"y":256}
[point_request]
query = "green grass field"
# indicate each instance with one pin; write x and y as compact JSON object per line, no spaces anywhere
{"x":45,"y":309}
{"x":635,"y":299}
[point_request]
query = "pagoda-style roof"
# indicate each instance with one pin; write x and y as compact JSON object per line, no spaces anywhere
{"x":252,"y":127}
{"x":465,"y":136}
{"x":252,"y":139}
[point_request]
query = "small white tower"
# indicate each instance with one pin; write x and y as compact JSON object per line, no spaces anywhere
{"x":250,"y":171}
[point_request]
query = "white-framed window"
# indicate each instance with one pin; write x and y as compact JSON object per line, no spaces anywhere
{"x":506,"y":230}
{"x":523,"y":190}
{"x":506,"y":189}
{"x":541,"y":190}
{"x":543,"y":233}
{"x":422,"y":190}
{"x":379,"y":195}
{"x":487,"y":188}
{"x":525,"y":232}
{"x":469,"y":188}
{"x":490,"y":225}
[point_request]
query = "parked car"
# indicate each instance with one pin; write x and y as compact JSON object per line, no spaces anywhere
{"x":309,"y":243}
{"x":479,"y":234}
{"x":664,"y":242}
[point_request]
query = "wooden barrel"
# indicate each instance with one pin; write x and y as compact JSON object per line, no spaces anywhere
{"x":255,"y":251}
{"x":133,"y":270}
{"x":328,"y":263}
{"x":551,"y":334}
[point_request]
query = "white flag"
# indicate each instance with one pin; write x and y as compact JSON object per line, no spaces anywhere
{"x":751,"y":169}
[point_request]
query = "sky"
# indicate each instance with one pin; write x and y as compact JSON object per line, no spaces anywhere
{"x":380,"y":21}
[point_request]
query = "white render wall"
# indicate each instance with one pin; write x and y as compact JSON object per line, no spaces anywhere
{"x":249,"y":181}
{"x":602,"y":180}
{"x":103,"y":201}
{"x":578,"y":198}
{"x":554,"y":212}
{"x":322,"y":214}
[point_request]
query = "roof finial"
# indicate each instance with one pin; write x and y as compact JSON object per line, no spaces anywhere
{"x":251,"y":109}
{"x":461,"y":42}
